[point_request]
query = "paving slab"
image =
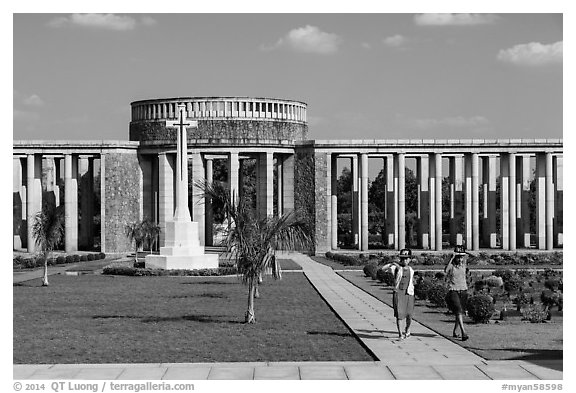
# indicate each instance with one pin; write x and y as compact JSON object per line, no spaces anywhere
{"x":235,"y":373}
{"x":543,"y":372}
{"x":99,"y":373}
{"x":511,"y":371}
{"x":414,"y":372}
{"x":66,"y":373}
{"x":368,"y":373}
{"x":277,"y":372}
{"x":459,"y":372}
{"x":143,"y":373}
{"x":187,"y":373}
{"x":322,"y":372}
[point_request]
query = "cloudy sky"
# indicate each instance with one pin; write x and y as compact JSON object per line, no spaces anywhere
{"x":363,"y":76}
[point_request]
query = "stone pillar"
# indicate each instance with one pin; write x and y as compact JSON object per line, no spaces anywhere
{"x":334,"y":200}
{"x":540,"y":201}
{"x":523,"y":200}
{"x":438,"y":200}
{"x":233,"y":179}
{"x":165,"y":193}
{"x":71,"y":203}
{"x":401,"y":200}
{"x":475,"y":204}
{"x":209,"y":220}
{"x":199,"y":208}
{"x":559,"y":200}
{"x":288,"y":184}
{"x":355,"y":203}
{"x":489,"y":230}
{"x":49,"y":183}
{"x":423,"y":203}
{"x":364,"y":201}
{"x":432,"y":200}
{"x":86,"y":176}
{"x":468,"y":199}
{"x":456,"y":202}
{"x":512,"y":205}
{"x":390,"y":203}
{"x":102,"y":203}
{"x":549,"y":203}
{"x":265,"y":174}
{"x":18,"y":203}
{"x":279,"y":185}
{"x":505,"y":200}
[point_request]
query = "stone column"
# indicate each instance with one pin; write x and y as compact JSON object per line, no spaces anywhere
{"x":523,"y":200}
{"x":432,"y":200}
{"x":559,"y":200}
{"x":541,"y":201}
{"x":233,"y":179}
{"x":423,"y":203}
{"x":549,"y":203}
{"x":279,"y":185}
{"x":475,"y":204}
{"x":512,"y":205}
{"x":71,"y":203}
{"x":86,"y":176}
{"x":401,"y":201}
{"x":390,"y":203}
{"x":334,"y":200}
{"x":364,"y":201}
{"x":209,"y":220}
{"x":265,"y":198}
{"x":165,"y":193}
{"x":102,"y":203}
{"x":199,"y":207}
{"x":19,"y":202}
{"x":468,"y":199}
{"x":438,"y":200}
{"x":505,"y":200}
{"x":489,"y":230}
{"x":355,"y":203}
{"x":456,"y":202}
{"x":288,"y":184}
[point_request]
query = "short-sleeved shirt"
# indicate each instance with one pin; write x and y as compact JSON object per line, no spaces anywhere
{"x":456,"y":277}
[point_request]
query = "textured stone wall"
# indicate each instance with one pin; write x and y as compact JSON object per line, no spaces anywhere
{"x":145,"y":131}
{"x":122,"y":198}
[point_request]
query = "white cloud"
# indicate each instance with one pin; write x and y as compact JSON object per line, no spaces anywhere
{"x":447,"y":122}
{"x":454,"y":19}
{"x":395,"y":40}
{"x":366,"y":45}
{"x":101,"y":21}
{"x":33,"y":100}
{"x":309,"y":39}
{"x":533,"y":54}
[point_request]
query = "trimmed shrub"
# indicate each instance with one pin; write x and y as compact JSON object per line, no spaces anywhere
{"x":550,"y":298}
{"x":61,"y":259}
{"x":521,"y":300}
{"x":535,"y":314}
{"x":513,"y":284}
{"x":506,"y":274}
{"x":119,"y":270}
{"x":552,"y":284}
{"x":90,"y":257}
{"x":69,"y":258}
{"x":76,"y":258}
{"x":480,"y":308}
{"x":371,"y":270}
{"x":386,"y":277}
{"x":102,"y":255}
{"x":83,"y":258}
{"x":437,"y":294}
{"x":494,"y":282}
{"x":422,"y":287}
{"x":51,"y":261}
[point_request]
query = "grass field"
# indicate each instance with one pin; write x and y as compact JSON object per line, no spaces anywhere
{"x":510,"y":339}
{"x":103,"y":319}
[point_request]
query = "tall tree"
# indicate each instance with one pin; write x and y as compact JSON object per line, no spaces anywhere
{"x":48,"y":230}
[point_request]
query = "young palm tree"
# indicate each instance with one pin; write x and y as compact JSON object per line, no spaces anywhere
{"x":135,"y":233}
{"x":252,"y":242}
{"x":48,"y":229}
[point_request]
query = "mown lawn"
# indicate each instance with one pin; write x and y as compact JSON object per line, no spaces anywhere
{"x":104,"y":319}
{"x":509,"y":339}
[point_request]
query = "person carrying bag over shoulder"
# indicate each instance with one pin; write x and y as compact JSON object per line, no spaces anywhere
{"x":403,"y":295}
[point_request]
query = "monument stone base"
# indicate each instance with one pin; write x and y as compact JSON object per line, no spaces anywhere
{"x":182,"y":250}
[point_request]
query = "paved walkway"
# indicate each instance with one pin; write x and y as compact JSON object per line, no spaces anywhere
{"x":425,"y":355}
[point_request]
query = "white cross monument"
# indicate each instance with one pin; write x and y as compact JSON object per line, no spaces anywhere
{"x":182,"y":249}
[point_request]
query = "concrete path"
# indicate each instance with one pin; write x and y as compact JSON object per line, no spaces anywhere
{"x":424,"y":355}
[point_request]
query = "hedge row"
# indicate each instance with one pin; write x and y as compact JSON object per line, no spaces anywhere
{"x":20,"y":262}
{"x":123,"y":270}
{"x":482,"y":259}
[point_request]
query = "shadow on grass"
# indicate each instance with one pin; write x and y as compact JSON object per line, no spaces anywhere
{"x":210,"y":283}
{"x":541,"y":357}
{"x":330,"y":334}
{"x":208,"y":295}
{"x":192,"y":318}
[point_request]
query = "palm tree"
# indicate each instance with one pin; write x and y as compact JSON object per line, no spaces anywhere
{"x":135,"y":234}
{"x":48,"y":230}
{"x":253,"y":241}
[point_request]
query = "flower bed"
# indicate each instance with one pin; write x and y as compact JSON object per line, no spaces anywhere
{"x":127,"y":269}
{"x":20,"y":262}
